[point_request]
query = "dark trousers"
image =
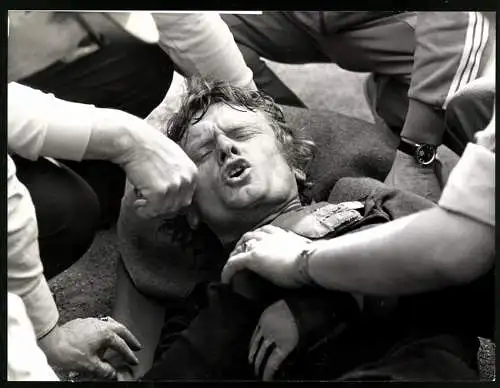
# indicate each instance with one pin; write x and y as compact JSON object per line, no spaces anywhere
{"x":132,"y":77}
{"x":304,"y":37}
{"x":368,"y":46}
{"x":67,"y":211}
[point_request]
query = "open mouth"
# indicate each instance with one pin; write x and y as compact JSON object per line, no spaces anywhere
{"x":236,"y":171}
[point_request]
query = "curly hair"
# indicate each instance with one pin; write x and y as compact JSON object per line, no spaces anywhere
{"x":202,"y":93}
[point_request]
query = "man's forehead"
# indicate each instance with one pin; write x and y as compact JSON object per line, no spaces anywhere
{"x":224,"y":117}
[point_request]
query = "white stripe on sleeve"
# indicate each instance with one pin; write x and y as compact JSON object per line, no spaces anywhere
{"x":475,"y":42}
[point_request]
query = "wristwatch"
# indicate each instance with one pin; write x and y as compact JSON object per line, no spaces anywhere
{"x":424,"y":154}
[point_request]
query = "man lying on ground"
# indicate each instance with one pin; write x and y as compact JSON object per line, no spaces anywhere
{"x":251,"y":169}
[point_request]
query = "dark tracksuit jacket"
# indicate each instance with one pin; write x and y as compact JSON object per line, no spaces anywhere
{"x":207,"y":336}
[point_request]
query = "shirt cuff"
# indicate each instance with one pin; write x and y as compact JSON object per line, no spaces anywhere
{"x":68,"y":136}
{"x":41,"y":308}
{"x":470,"y":190}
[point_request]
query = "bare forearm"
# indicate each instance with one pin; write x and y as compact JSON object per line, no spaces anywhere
{"x":419,"y":253}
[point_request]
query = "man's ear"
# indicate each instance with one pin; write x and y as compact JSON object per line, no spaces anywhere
{"x":192,"y":217}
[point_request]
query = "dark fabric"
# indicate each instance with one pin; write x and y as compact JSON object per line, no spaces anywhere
{"x":215,"y":344}
{"x":274,"y":36}
{"x":132,"y":77}
{"x":165,"y":258}
{"x":346,"y":147}
{"x":467,"y":309}
{"x":394,"y":203}
{"x":67,"y":212}
{"x":468,"y":112}
{"x":382,"y":43}
{"x":440,"y":357}
{"x":356,"y":41}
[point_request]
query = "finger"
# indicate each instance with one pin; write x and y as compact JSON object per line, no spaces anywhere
{"x":124,"y":374}
{"x":254,"y":235}
{"x":254,"y":345}
{"x":103,"y":369}
{"x":112,"y":357}
{"x":125,"y":334}
{"x":118,"y":344}
{"x":172,"y":199}
{"x":260,"y":355}
{"x":237,"y":250}
{"x":273,"y":363}
{"x":254,"y":342}
{"x":235,"y":264}
{"x":190,"y":188}
{"x":248,"y":241}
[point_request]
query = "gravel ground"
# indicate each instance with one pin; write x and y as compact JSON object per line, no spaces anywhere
{"x":87,"y":288}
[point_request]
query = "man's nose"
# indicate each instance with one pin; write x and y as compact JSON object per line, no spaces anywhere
{"x":225,"y":149}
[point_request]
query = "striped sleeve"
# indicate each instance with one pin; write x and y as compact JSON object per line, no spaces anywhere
{"x":452,"y":50}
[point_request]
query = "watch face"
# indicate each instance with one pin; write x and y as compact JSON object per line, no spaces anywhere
{"x":425,"y":154}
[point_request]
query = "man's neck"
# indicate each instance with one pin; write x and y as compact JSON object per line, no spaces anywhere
{"x":231,"y":236}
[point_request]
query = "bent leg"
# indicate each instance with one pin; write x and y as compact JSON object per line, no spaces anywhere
{"x":67,"y":212}
{"x":132,"y":77}
{"x":468,"y":112}
{"x":274,"y":36}
{"x":384,"y":47}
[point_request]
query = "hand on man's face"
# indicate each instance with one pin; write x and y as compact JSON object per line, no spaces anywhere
{"x":164,"y":176}
{"x":243,"y":175}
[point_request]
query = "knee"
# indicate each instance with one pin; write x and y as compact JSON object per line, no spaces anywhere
{"x":471,"y":108}
{"x":159,"y":68}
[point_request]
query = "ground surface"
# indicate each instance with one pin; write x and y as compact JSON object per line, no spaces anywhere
{"x":87,"y":288}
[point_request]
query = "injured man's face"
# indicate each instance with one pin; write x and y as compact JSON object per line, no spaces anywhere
{"x":243,"y":176}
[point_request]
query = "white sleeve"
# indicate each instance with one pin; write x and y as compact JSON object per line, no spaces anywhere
{"x":24,"y":267}
{"x":39,"y":124}
{"x":201,"y":43}
{"x":25,"y":360}
{"x":470,"y":189}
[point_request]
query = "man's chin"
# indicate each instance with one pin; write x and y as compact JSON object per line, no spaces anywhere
{"x":241,"y":203}
{"x":243,"y":198}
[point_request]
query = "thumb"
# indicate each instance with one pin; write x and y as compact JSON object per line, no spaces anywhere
{"x":234,"y":264}
{"x":103,"y":369}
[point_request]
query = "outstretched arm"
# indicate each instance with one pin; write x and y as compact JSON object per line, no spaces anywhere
{"x":450,"y":244}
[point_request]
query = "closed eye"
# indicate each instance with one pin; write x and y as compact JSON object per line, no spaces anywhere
{"x":202,"y":154}
{"x":241,"y":133}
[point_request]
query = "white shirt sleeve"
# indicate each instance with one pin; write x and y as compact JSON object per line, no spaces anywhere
{"x":39,"y":124}
{"x":24,"y":267}
{"x":201,"y":43}
{"x":470,"y":189}
{"x":25,"y":360}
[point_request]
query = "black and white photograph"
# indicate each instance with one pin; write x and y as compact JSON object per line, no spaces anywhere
{"x":250,"y":196}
